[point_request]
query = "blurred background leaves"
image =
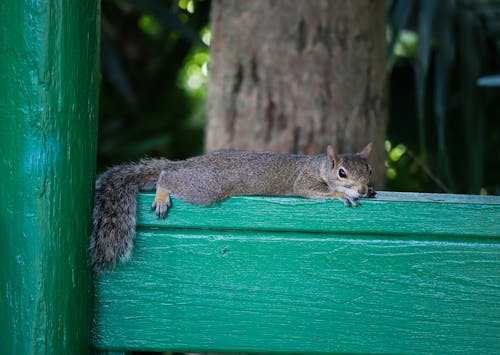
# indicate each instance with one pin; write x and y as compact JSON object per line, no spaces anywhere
{"x":154,"y":70}
{"x":446,"y":122}
{"x":444,"y":126}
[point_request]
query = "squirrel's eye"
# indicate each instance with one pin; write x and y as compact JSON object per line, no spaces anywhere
{"x":342,"y":174}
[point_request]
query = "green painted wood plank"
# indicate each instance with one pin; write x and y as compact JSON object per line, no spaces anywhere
{"x":391,"y":214}
{"x":49,"y":81}
{"x":438,"y":198}
{"x":207,"y":290}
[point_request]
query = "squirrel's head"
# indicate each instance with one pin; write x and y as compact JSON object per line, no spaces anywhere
{"x":349,"y":173}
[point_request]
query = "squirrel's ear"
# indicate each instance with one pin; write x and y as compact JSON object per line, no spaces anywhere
{"x":331,"y":154}
{"x":366,"y":151}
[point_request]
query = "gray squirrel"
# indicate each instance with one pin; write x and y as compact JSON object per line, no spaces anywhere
{"x":213,"y":177}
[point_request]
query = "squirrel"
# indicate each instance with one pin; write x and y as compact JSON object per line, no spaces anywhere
{"x":211,"y":178}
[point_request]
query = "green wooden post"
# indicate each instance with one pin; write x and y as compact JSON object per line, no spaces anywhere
{"x":48,"y":120}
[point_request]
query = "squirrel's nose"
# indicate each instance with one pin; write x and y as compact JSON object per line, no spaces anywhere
{"x":362,"y":189}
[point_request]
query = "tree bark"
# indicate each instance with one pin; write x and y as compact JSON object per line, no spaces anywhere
{"x":295,"y":76}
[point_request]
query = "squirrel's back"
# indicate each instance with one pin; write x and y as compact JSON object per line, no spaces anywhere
{"x":233,"y":173}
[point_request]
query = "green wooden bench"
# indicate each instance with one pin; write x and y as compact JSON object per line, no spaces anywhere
{"x":403,"y":273}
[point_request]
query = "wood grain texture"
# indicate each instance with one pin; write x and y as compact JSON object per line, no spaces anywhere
{"x":314,"y":290}
{"x":389,"y":214}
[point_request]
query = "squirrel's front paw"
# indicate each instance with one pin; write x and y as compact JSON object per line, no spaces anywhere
{"x":350,"y":201}
{"x":371,"y":192}
{"x":161,"y":203}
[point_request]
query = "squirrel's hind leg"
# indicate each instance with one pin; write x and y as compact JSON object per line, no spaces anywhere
{"x":192,"y":185}
{"x":162,"y":202}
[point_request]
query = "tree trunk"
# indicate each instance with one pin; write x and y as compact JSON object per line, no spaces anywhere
{"x":295,"y":76}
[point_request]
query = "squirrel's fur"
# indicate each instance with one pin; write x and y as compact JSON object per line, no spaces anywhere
{"x":213,"y":177}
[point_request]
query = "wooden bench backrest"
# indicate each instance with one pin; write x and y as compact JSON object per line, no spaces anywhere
{"x":403,"y":273}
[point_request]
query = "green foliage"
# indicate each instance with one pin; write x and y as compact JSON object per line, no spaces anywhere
{"x":154,"y":56}
{"x":448,"y":45}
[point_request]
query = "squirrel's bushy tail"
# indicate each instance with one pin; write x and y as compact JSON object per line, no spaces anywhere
{"x":114,"y":215}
